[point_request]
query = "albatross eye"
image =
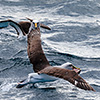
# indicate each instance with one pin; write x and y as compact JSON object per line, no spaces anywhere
{"x":70,"y":65}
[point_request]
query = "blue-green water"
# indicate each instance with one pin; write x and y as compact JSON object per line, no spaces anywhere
{"x":75,"y":37}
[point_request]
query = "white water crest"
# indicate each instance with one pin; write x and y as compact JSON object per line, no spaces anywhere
{"x":5,"y":87}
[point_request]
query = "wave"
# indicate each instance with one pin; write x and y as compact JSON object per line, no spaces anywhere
{"x":78,"y":57}
{"x":7,"y":84}
{"x":57,"y":47}
{"x":13,"y":63}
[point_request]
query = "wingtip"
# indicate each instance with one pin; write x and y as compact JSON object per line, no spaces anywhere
{"x":29,"y":19}
{"x":93,"y":90}
{"x":45,"y":26}
{"x":85,"y":86}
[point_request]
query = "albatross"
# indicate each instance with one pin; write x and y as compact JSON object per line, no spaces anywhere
{"x":43,"y":71}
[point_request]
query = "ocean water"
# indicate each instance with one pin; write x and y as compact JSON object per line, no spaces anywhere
{"x":75,"y":38}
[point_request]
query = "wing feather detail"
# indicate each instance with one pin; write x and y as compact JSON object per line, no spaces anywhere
{"x":68,"y":75}
{"x":25,"y":26}
{"x":16,"y":26}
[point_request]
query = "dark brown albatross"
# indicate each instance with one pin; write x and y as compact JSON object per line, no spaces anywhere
{"x":44,"y":72}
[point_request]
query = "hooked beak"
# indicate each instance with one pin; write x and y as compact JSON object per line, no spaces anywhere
{"x":76,"y":69}
{"x":22,"y":83}
{"x":35,"y":25}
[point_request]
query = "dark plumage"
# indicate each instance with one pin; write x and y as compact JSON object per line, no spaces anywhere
{"x":43,"y":70}
{"x":35,"y":52}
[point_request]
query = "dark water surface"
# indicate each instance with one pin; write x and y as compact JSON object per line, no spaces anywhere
{"x":75,"y":37}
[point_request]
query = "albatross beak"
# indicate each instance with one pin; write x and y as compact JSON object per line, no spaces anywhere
{"x":22,"y":83}
{"x":35,"y":25}
{"x":76,"y":69}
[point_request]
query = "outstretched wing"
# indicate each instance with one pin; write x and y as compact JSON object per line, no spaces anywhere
{"x":25,"y":26}
{"x":16,"y":26}
{"x":44,"y":26}
{"x":68,"y":75}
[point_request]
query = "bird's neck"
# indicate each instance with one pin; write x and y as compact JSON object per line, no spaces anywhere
{"x":35,"y":52}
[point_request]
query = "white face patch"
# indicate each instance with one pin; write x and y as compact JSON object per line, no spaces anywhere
{"x":34,"y":25}
{"x":35,"y":21}
{"x":65,"y":65}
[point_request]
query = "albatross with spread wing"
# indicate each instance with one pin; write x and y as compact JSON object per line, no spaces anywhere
{"x":43,"y":71}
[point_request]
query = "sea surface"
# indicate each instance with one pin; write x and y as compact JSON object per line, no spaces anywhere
{"x":74,"y":37}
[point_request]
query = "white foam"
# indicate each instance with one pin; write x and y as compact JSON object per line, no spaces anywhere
{"x":7,"y":87}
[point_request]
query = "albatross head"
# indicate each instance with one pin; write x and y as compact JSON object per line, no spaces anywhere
{"x":35,"y":24}
{"x":70,"y":66}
